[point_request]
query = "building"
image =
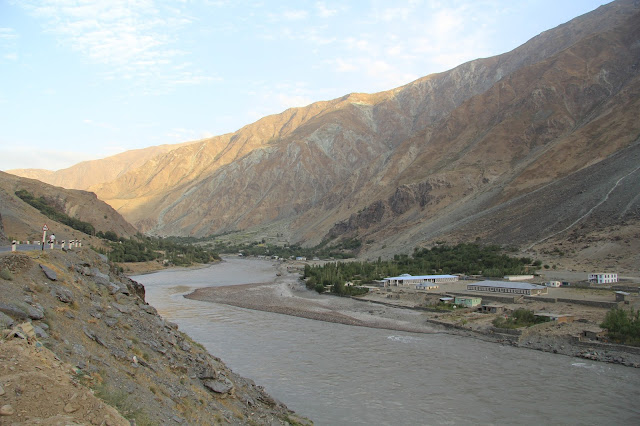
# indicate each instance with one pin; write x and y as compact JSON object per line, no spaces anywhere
{"x":469,"y":302}
{"x":518,"y":277}
{"x":427,"y":286}
{"x":508,"y":287}
{"x":406,"y":280}
{"x":600,"y":278}
{"x":492,"y":309}
{"x":622,"y":296}
{"x":553,"y":284}
{"x":559,"y":318}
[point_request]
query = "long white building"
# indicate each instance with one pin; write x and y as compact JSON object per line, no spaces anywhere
{"x":600,"y":278}
{"x":508,"y":287}
{"x":406,"y":280}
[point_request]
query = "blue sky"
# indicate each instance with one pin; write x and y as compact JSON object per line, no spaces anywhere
{"x":85,"y":79}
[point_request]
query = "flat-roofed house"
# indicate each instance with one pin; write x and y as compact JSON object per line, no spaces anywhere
{"x":469,"y":302}
{"x":427,"y":286}
{"x":406,"y":280}
{"x":508,"y":287}
{"x":559,"y":318}
{"x":492,"y":309}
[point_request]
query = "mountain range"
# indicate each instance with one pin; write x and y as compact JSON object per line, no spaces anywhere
{"x":534,"y":148}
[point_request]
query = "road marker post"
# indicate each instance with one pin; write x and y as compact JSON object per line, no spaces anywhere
{"x":45,"y":228}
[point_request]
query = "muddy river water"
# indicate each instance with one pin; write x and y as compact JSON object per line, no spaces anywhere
{"x":336,"y":374}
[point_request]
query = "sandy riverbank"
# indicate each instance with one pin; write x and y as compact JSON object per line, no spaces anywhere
{"x":288,"y":295}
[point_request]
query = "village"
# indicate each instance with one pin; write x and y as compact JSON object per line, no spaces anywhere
{"x":572,"y":310}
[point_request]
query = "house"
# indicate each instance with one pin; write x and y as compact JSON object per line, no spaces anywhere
{"x":559,"y":318}
{"x":492,"y":309}
{"x":446,"y":299}
{"x":593,"y":334}
{"x":406,"y":280}
{"x":469,"y":302}
{"x":622,"y":296}
{"x":427,"y":286}
{"x":508,"y":287}
{"x":553,"y":284}
{"x":601,"y":278}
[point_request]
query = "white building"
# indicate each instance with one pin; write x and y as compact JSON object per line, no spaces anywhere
{"x":427,"y":286}
{"x":406,"y":280}
{"x":599,"y":278}
{"x":508,"y":287}
{"x":553,"y":284}
{"x":518,"y":277}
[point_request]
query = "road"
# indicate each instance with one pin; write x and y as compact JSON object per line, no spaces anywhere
{"x":34,"y":246}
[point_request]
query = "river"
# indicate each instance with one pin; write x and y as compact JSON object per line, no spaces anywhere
{"x":336,"y":374}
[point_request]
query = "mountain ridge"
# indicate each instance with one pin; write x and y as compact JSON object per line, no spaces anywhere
{"x":394,"y":167}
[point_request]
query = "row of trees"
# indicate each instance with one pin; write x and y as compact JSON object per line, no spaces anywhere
{"x":463,"y":258}
{"x":53,"y":212}
{"x":344,"y":250}
{"x":623,"y":326}
{"x":143,"y":248}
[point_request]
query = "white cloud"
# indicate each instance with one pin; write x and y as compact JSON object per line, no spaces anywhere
{"x":7,"y":34}
{"x":343,"y":65}
{"x":8,"y":39}
{"x":324,"y":11}
{"x":295,"y":15}
{"x":134,"y":40}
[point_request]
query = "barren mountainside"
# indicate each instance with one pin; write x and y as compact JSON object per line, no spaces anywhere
{"x":502,"y":149}
{"x":87,"y":173}
{"x":24,"y":222}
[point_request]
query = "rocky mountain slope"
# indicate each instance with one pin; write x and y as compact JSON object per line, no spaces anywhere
{"x":483,"y":151}
{"x":23,"y":222}
{"x":79,"y":345}
{"x":87,"y":173}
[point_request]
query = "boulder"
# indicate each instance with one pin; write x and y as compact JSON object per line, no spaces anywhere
{"x":218,"y":386}
{"x":5,"y":320}
{"x":13,"y":311}
{"x":64,"y":295}
{"x":49,"y":273}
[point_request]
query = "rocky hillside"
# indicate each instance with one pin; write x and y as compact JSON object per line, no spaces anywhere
{"x":21,"y":221}
{"x":483,"y":151}
{"x":79,"y":345}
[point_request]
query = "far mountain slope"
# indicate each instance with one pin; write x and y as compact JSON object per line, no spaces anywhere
{"x":87,"y":173}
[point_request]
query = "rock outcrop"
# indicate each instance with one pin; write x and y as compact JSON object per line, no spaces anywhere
{"x":88,"y":332}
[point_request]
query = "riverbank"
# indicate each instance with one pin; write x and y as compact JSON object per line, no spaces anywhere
{"x":151,"y":266}
{"x":288,"y":295}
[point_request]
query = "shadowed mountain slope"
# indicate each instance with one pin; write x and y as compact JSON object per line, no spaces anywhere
{"x":24,"y":222}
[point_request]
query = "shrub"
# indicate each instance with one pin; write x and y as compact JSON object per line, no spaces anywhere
{"x":623,"y":326}
{"x":6,"y":274}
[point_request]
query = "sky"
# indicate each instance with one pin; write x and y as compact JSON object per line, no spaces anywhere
{"x":86,"y":79}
